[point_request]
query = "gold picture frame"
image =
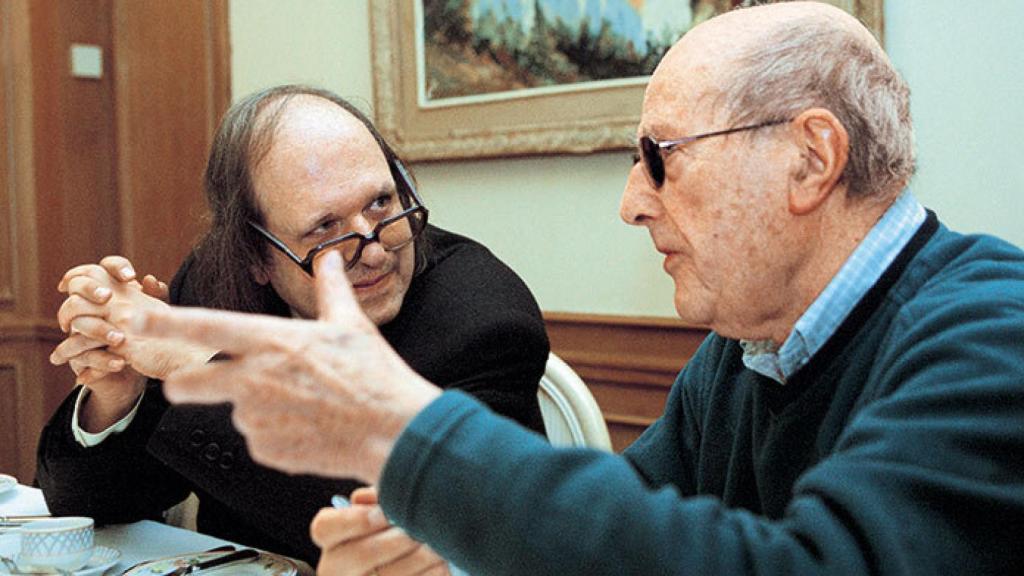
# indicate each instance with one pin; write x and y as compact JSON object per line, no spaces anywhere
{"x":573,"y":122}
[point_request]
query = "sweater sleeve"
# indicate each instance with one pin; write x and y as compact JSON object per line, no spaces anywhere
{"x":497,"y":500}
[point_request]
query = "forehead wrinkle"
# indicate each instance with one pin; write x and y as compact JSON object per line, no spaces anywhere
{"x":672,"y":106}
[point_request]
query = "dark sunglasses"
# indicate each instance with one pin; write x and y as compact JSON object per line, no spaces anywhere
{"x":653,"y":153}
{"x":393,"y":232}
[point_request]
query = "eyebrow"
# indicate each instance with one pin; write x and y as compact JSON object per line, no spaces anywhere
{"x":659,"y":131}
{"x":653,"y":131}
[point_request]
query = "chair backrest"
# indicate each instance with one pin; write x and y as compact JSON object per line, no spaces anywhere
{"x":184,"y":513}
{"x":571,"y":415}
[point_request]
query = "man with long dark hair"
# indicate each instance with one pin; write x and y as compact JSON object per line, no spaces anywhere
{"x":294,"y":173}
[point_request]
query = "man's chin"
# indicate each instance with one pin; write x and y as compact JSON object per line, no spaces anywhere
{"x":692,"y":313}
{"x":380,"y":308}
{"x":381,"y":315}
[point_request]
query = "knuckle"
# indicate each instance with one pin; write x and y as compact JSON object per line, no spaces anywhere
{"x":113,"y":260}
{"x":74,"y":303}
{"x":79,"y":284}
{"x":93,"y":271}
{"x":287,"y":346}
{"x":84,"y":325}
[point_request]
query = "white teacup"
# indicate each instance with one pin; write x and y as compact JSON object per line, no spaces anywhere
{"x":55,"y":544}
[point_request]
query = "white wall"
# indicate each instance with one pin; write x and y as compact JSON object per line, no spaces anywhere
{"x":966,"y":73}
{"x":554,"y":219}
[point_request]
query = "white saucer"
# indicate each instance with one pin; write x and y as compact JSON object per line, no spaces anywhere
{"x":103,"y":559}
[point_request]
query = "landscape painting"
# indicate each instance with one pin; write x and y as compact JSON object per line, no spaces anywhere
{"x":499,"y":48}
{"x":489,"y":78}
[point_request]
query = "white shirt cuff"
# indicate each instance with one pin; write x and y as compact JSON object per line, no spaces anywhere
{"x":88,"y":439}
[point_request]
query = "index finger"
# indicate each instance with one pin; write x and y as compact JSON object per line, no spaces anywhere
{"x":230,"y":332}
{"x":334,"y":298}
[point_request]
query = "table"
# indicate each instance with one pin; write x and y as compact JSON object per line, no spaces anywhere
{"x":139,"y":541}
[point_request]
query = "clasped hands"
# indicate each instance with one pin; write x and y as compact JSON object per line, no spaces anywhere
{"x":101,"y":298}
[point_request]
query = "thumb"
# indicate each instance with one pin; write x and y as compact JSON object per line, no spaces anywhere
{"x":334,"y":297}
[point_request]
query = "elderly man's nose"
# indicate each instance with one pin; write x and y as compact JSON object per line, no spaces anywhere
{"x":638,"y":203}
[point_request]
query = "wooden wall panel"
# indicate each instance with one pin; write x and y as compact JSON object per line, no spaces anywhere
{"x":164,"y":134}
{"x":17,"y":166}
{"x":6,"y":179}
{"x":9,"y":421}
{"x":90,"y":167}
{"x":629,"y":363}
{"x":11,"y":63}
{"x":74,"y":154}
{"x":30,"y":390}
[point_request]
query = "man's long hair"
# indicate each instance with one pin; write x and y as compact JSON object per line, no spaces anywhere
{"x":221,"y":275}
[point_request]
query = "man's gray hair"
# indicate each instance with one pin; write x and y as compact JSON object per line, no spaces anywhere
{"x":808,"y":63}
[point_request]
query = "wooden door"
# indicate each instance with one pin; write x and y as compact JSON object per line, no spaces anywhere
{"x":94,"y":166}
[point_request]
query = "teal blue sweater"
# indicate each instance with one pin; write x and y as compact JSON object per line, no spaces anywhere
{"x":899,"y":449}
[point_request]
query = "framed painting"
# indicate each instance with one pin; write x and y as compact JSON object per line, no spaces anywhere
{"x":487,"y":78}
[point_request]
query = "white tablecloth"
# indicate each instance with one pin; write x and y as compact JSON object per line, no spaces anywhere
{"x":145,"y":540}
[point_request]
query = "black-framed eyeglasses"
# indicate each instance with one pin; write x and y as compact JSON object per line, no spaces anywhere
{"x":653,"y":153}
{"x":393,"y":232}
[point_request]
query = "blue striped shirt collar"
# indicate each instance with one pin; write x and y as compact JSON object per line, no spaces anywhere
{"x":858,"y":274}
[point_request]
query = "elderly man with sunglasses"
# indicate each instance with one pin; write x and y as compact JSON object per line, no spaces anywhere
{"x":294,"y":173}
{"x":857,"y":409}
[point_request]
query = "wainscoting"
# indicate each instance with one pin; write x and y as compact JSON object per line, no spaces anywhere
{"x":629,"y":363}
{"x":30,"y":390}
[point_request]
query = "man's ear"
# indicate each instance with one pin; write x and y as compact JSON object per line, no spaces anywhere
{"x":824,"y":146}
{"x":259,"y":274}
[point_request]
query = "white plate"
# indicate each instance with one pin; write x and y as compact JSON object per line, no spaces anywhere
{"x":7,"y":483}
{"x":103,"y":559}
{"x":266,"y":565}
